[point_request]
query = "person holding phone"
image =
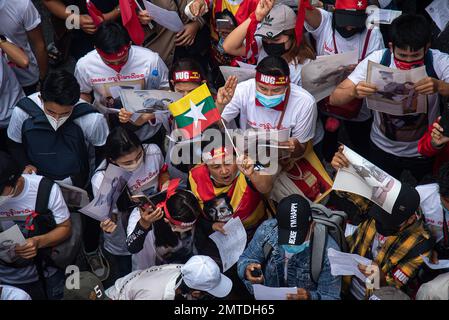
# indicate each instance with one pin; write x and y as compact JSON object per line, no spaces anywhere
{"x":124,"y":149}
{"x":164,"y":233}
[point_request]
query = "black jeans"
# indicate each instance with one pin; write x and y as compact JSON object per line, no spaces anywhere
{"x":358,"y":133}
{"x":119,"y":266}
{"x":419,"y":167}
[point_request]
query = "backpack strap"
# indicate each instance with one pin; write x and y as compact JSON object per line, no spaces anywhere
{"x":318,"y":246}
{"x":386,"y":58}
{"x":43,"y":196}
{"x":30,"y":107}
{"x":81,"y":110}
{"x":428,"y":61}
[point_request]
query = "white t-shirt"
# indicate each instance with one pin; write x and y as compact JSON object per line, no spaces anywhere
{"x":93,"y":125}
{"x":143,"y":70}
{"x":432,"y":209}
{"x":10,"y":91}
{"x":17,"y":18}
{"x":325,"y":46}
{"x":415,"y":126}
{"x":16,"y":210}
{"x":155,"y":283}
{"x":300,"y":113}
{"x":13,"y":293}
{"x":146,"y":177}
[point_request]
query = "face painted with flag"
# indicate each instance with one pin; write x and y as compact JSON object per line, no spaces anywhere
{"x":195,"y":112}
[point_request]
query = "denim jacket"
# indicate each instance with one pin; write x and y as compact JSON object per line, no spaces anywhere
{"x":298,"y":269}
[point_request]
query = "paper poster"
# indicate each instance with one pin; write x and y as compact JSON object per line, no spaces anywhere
{"x":346,"y":264}
{"x":438,"y":10}
{"x":9,"y":239}
{"x":148,"y":101}
{"x":260,"y":145}
{"x":114,"y":181}
{"x":395,"y":93}
{"x":365,"y":179}
{"x":321,"y":76}
{"x":166,"y":18}
{"x":242,"y":74}
{"x":244,"y":65}
{"x":231,"y":245}
{"x":110,"y":100}
{"x":378,"y":16}
{"x":262,"y":292}
{"x":74,"y":197}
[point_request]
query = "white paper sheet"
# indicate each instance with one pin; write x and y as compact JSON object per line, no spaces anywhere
{"x":346,"y":264}
{"x":381,"y":16}
{"x":166,"y":18}
{"x":442,"y":264}
{"x":367,"y":180}
{"x":242,"y":74}
{"x":114,"y":181}
{"x":439,"y":12}
{"x":231,"y":245}
{"x":73,"y":196}
{"x":321,"y":76}
{"x":395,"y":90}
{"x":244,"y":65}
{"x":262,"y":292}
{"x":8,"y":241}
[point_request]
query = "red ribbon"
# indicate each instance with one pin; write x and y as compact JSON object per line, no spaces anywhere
{"x":251,"y":43}
{"x":278,"y":81}
{"x":171,"y":190}
{"x":299,"y":27}
{"x":116,"y":55}
{"x":186,"y":76}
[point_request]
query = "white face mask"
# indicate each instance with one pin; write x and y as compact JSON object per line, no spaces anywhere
{"x":132,"y":167}
{"x":56,"y":123}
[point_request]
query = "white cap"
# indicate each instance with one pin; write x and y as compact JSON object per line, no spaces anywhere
{"x":437,"y":289}
{"x":202,"y":273}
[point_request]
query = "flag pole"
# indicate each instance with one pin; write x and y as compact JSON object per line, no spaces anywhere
{"x":230,"y":138}
{"x":141,"y":9}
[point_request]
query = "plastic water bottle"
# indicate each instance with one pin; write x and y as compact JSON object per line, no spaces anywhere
{"x":155,"y":80}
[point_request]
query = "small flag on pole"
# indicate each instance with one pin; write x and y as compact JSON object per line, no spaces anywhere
{"x":195,"y":112}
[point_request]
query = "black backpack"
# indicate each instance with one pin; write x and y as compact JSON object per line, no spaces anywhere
{"x":327,"y":223}
{"x":56,"y":154}
{"x":43,"y":222}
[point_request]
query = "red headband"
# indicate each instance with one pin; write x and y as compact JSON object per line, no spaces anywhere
{"x":171,"y":190}
{"x":272,"y":80}
{"x":114,"y":56}
{"x":186,"y":76}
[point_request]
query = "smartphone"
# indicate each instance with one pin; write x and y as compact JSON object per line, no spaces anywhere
{"x":224,"y":24}
{"x":143,"y":201}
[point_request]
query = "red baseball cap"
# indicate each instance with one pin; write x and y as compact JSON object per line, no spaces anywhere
{"x":350,"y":13}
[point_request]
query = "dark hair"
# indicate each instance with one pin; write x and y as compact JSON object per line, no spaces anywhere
{"x":227,"y":14}
{"x":410,"y":31}
{"x":184,"y":207}
{"x":443,"y":180}
{"x":273,"y":66}
{"x":187,"y":64}
{"x":10,"y":171}
{"x":298,"y":54}
{"x":111,"y":36}
{"x":60,"y":87}
{"x":120,"y":142}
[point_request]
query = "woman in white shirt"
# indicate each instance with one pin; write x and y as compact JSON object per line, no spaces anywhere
{"x":124,"y":149}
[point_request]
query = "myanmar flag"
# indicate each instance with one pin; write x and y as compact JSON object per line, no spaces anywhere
{"x":195,"y":112}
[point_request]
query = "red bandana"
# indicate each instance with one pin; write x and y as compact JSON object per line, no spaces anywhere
{"x":171,"y":190}
{"x":272,"y":80}
{"x":186,"y":76}
{"x":116,"y":55}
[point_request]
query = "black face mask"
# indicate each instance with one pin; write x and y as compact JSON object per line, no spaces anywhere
{"x":386,"y":231}
{"x":274,"y":49}
{"x":345,"y":33}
